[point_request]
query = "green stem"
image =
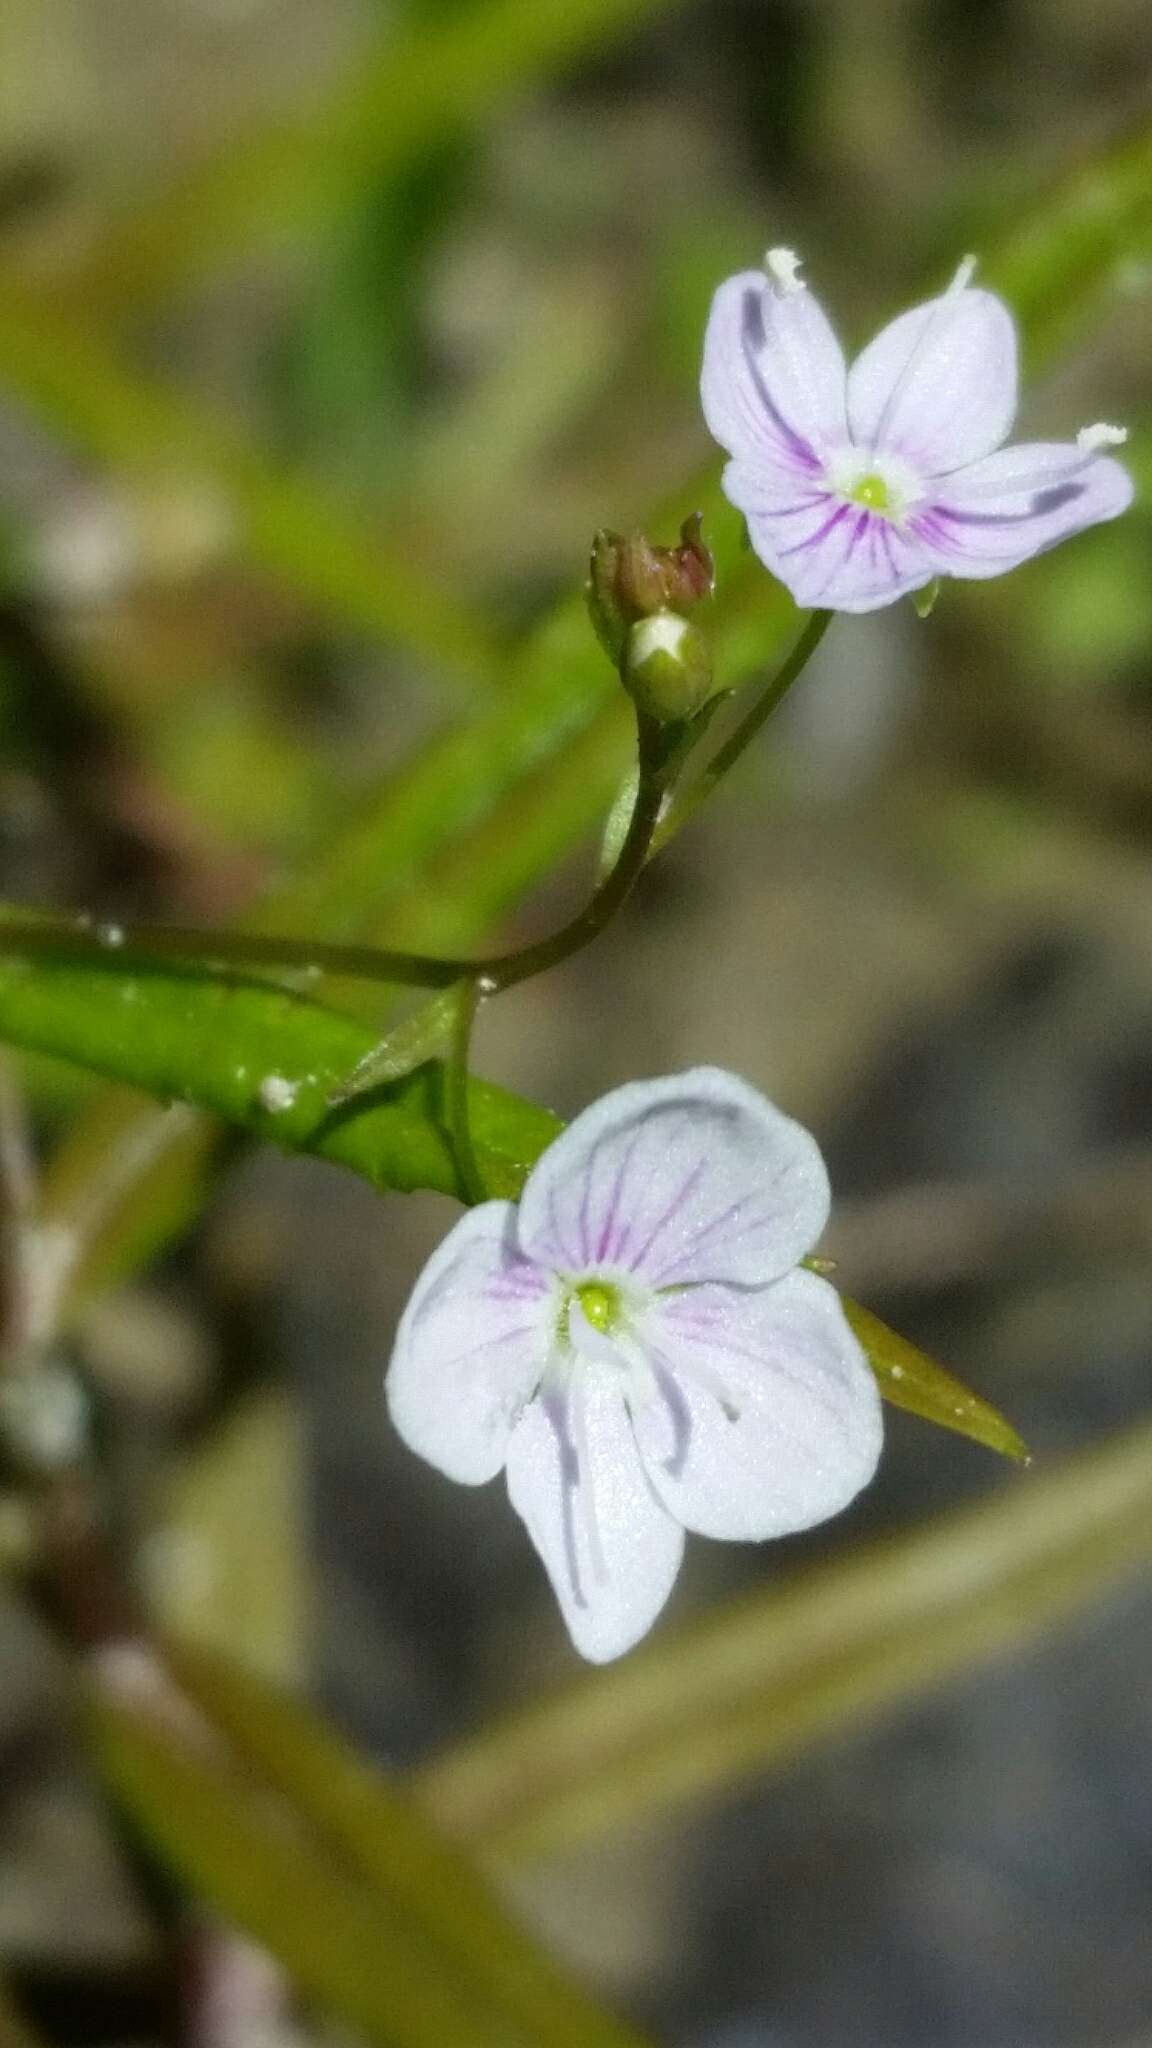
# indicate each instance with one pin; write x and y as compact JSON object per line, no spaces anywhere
{"x":771,"y":697}
{"x":504,"y":972}
{"x":472,"y":1184}
{"x":311,"y":958}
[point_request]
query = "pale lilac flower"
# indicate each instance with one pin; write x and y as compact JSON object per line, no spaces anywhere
{"x":861,"y":484}
{"x":637,"y":1345}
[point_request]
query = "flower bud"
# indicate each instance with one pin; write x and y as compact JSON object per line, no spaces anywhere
{"x":666,"y":667}
{"x":631,"y":579}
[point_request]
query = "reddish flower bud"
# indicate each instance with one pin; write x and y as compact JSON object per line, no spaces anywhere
{"x":630,"y":579}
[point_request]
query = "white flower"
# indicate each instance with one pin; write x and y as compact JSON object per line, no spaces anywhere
{"x":859,"y":485}
{"x":637,"y":1345}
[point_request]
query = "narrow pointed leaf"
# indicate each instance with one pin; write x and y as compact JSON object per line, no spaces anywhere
{"x":235,"y":1046}
{"x":694,"y":1712}
{"x":421,"y":1036}
{"x":910,"y":1379}
{"x":250,"y":1859}
{"x":380,"y":1833}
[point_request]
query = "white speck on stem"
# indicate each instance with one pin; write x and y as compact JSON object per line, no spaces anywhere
{"x":277,"y":1093}
{"x":897,"y":1372}
{"x":111,"y":935}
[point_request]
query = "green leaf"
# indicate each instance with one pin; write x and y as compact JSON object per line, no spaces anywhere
{"x":282,"y":1066}
{"x":378,"y":1831}
{"x":746,"y":1688}
{"x":910,"y":1379}
{"x":371,"y":1967}
{"x":421,"y":1036}
{"x":264,"y":1059}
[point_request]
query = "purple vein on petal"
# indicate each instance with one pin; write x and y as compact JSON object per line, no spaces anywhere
{"x":857,"y":534}
{"x":802,"y":505}
{"x":808,"y":1383}
{"x":585,"y":1205}
{"x":813,"y":540}
{"x":1051,"y":500}
{"x":679,"y":1416}
{"x":564,"y":1256}
{"x":885,"y":539}
{"x":753,"y":316}
{"x":700,"y":1237}
{"x":529,"y":1284}
{"x":609,"y":1246}
{"x":702,"y":1374}
{"x":586,"y":1483}
{"x":486,"y":1344}
{"x":674,"y":1206}
{"x":556,"y":1412}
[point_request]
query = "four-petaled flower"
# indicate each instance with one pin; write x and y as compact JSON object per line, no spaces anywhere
{"x":861,"y":485}
{"x":638,"y":1346}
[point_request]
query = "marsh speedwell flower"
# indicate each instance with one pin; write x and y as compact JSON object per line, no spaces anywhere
{"x":637,"y":1345}
{"x":861,"y":484}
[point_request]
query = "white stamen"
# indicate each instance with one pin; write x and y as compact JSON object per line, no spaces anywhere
{"x":1090,"y":439}
{"x":783,"y":267}
{"x":966,"y":271}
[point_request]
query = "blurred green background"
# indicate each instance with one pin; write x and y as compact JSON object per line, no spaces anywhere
{"x":328,"y":335}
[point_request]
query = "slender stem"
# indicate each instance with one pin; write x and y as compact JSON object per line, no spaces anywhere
{"x":472,"y":1185}
{"x":313,"y":958}
{"x":504,"y":971}
{"x":310,"y":958}
{"x":771,"y":697}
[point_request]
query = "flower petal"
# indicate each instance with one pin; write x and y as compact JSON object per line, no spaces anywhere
{"x":835,"y":555}
{"x":692,"y":1177}
{"x":773,"y":381}
{"x":471,"y":1346}
{"x":766,"y":1417}
{"x":609,"y":1548}
{"x":938,"y":385}
{"x":999,"y":512}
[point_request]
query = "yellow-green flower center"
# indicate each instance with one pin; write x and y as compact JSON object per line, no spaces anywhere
{"x":871,"y":492}
{"x":599,"y":1302}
